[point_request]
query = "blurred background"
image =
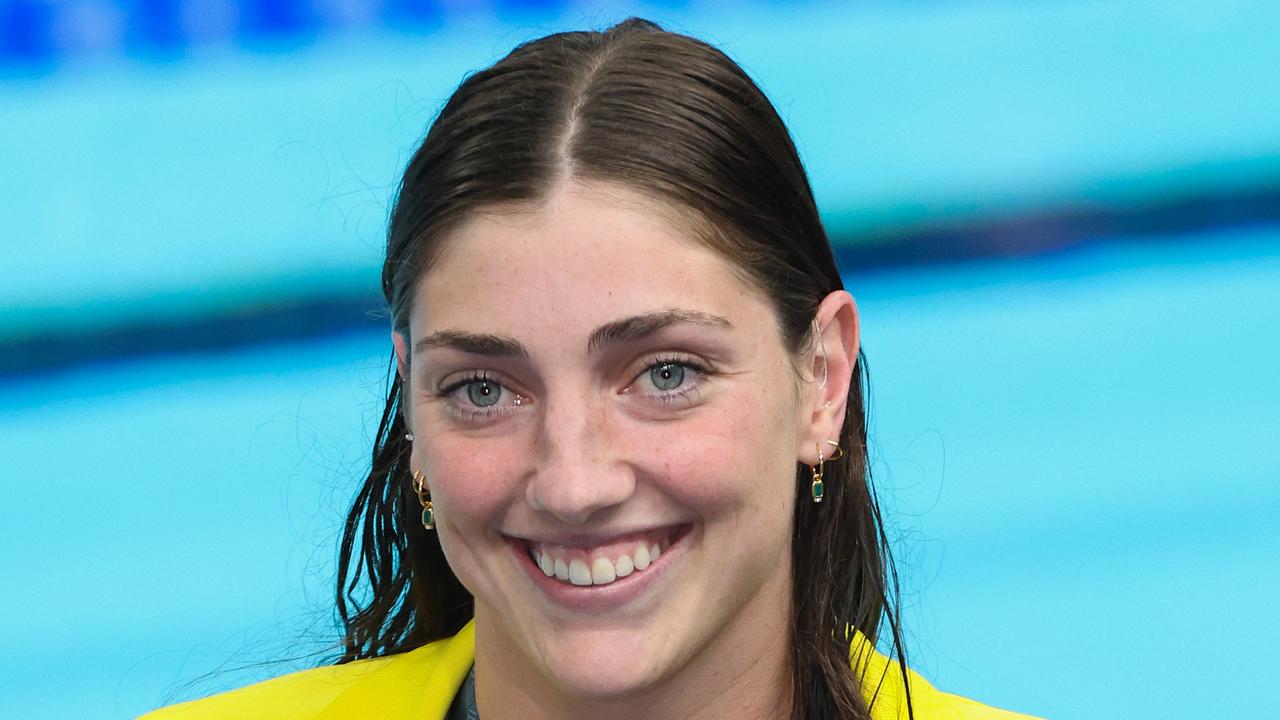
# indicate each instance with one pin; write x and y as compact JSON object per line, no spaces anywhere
{"x":1061,"y":219}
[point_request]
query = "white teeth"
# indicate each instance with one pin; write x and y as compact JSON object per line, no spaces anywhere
{"x":578,"y":573}
{"x":602,"y":572}
{"x":624,"y":566}
{"x":642,"y":558}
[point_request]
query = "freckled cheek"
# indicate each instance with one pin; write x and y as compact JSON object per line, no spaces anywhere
{"x":472,"y":481}
{"x":717,"y":463}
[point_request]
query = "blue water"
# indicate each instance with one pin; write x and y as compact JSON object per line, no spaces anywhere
{"x":1078,"y":452}
{"x":178,"y":186}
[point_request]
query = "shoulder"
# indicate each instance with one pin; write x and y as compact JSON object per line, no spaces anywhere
{"x":420,"y":683}
{"x":297,"y":695}
{"x":884,"y":689}
{"x":936,"y":705}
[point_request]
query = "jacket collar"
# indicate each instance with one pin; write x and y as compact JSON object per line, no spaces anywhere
{"x":417,"y":685}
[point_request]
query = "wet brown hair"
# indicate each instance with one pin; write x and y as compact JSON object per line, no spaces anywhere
{"x":676,"y":119}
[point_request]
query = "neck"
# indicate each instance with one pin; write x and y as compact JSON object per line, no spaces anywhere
{"x":743,"y":674}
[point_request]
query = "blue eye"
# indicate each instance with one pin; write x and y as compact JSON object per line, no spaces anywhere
{"x":667,"y":376}
{"x":484,"y":393}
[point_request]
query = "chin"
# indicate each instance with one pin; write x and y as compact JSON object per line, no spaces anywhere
{"x":605,"y":665}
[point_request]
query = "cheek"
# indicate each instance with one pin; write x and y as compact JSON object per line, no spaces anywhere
{"x":738,"y":455}
{"x":471,"y":482}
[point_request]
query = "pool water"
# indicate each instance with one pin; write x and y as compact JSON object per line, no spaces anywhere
{"x":1078,"y":453}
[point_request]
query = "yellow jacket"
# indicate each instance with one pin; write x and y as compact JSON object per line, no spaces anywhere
{"x":421,"y":684}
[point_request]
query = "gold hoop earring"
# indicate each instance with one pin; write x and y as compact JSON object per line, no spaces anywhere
{"x":424,"y":497}
{"x":817,"y":489}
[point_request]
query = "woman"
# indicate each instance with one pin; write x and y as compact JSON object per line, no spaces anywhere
{"x":621,"y":472}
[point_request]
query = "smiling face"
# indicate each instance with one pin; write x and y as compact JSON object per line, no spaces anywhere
{"x":609,"y":425}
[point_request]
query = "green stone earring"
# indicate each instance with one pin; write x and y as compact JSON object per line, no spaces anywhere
{"x":817,"y":489}
{"x":424,"y":497}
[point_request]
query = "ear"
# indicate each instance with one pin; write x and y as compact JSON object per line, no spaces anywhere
{"x":401,"y":344}
{"x":823,"y":404}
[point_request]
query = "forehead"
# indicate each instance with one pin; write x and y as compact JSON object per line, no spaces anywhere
{"x":588,"y":255}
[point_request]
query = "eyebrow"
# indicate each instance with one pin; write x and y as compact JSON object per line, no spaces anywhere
{"x":473,"y":343}
{"x":638,"y":327}
{"x":631,"y":329}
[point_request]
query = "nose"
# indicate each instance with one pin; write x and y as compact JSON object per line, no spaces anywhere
{"x":577,"y":475}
